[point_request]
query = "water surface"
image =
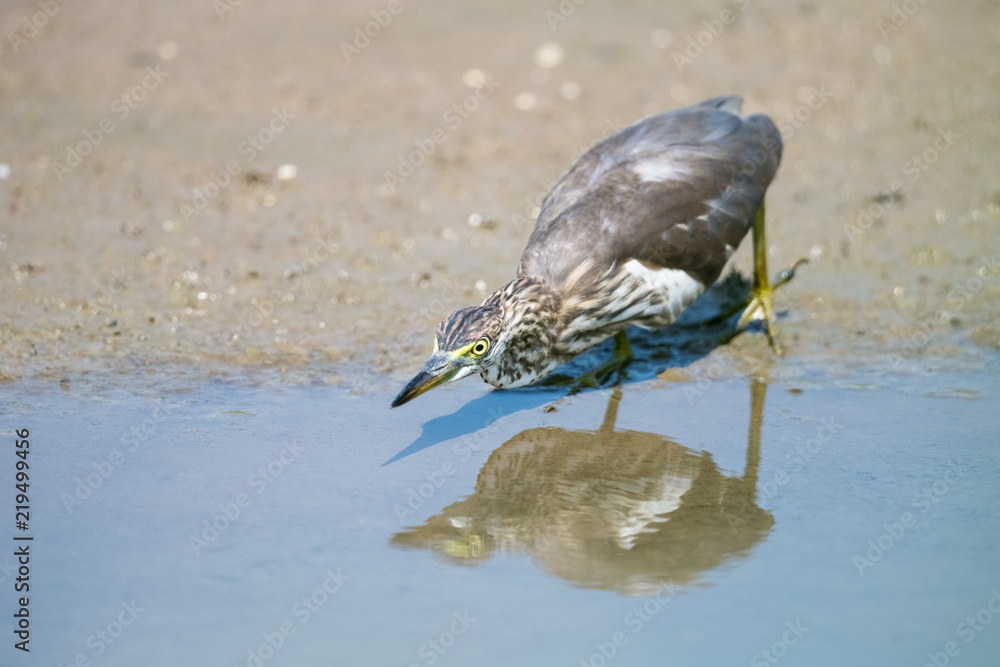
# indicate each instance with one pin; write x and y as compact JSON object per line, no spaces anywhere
{"x":831,"y":522}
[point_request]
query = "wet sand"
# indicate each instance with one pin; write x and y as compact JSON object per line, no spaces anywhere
{"x":128,"y":263}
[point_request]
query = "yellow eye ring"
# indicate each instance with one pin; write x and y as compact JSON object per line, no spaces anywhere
{"x":480,"y":346}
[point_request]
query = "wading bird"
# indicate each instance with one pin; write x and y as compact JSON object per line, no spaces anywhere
{"x":641,"y":225}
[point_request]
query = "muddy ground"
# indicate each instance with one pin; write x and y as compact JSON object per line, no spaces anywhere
{"x":204,"y":188}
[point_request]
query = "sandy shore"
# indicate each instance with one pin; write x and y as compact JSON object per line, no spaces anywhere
{"x":222,"y":190}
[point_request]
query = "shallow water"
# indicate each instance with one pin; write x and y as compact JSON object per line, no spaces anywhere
{"x":828,"y":522}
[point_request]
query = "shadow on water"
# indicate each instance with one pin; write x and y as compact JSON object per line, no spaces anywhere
{"x":700,"y":329}
{"x":625,"y":511}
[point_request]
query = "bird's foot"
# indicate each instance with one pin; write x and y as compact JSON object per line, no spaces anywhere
{"x":761,"y":307}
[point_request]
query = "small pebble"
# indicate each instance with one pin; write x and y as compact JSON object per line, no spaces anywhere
{"x":661,"y":38}
{"x":570,"y":90}
{"x":548,"y":55}
{"x":525,"y":101}
{"x":167,"y":50}
{"x":540,"y":77}
{"x":474,"y":78}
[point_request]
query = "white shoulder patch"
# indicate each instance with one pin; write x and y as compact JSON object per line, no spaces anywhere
{"x":660,"y":168}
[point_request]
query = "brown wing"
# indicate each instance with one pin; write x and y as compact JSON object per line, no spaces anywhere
{"x":678,"y":190}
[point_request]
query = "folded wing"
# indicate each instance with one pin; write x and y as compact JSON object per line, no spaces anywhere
{"x":678,"y":190}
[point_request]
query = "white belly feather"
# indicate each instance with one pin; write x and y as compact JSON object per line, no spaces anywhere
{"x":669,"y":292}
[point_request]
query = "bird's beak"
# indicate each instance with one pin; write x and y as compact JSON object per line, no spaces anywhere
{"x":440,"y":369}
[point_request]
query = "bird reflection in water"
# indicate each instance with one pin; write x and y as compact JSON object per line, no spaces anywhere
{"x":625,"y":511}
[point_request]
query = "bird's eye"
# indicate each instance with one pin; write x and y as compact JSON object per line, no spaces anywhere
{"x":480,"y":347}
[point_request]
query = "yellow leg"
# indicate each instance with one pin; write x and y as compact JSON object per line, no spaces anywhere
{"x":620,"y":358}
{"x":761,"y":307}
